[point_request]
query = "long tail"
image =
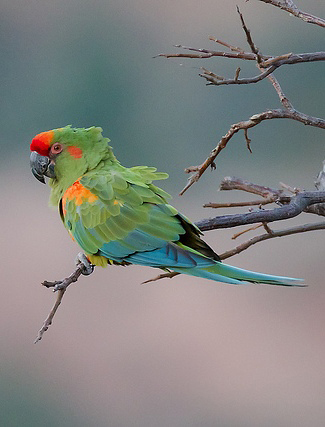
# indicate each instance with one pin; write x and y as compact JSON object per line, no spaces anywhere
{"x":226,"y":273}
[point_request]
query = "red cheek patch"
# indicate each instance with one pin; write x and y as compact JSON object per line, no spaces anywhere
{"x":75,"y":152}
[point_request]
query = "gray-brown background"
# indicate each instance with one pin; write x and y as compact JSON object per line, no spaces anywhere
{"x":186,"y":352}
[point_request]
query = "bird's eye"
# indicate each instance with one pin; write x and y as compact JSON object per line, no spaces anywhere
{"x":56,"y":148}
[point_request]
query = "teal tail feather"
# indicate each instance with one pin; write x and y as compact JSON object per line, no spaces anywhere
{"x":233,"y":275}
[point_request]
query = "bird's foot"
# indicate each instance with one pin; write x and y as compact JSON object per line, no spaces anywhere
{"x":86,"y":266}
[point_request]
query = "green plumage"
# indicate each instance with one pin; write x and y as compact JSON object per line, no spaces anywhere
{"x":118,"y":215}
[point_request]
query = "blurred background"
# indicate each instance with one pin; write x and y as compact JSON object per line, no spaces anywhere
{"x":186,"y":352}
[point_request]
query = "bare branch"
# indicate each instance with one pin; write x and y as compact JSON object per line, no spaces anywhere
{"x":234,"y":183}
{"x":248,"y":141}
{"x":285,"y":59}
{"x":229,"y":46}
{"x":283,"y":99}
{"x":259,"y":57}
{"x":290,"y":7}
{"x":169,"y":275}
{"x":276,"y":59}
{"x":297,"y":204}
{"x":237,"y":73}
{"x":236,"y":81}
{"x":294,"y":58}
{"x":60,"y":287}
{"x":269,"y":194}
{"x":270,"y":65}
{"x":48,"y":321}
{"x":247,"y":230}
{"x":206,"y":53}
{"x":280,"y":233}
{"x":213,"y":75}
{"x":267,"y":64}
{"x":240,"y":204}
{"x":251,"y":122}
{"x":216,"y":80}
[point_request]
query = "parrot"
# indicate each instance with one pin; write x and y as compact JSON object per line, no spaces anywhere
{"x":118,"y":216}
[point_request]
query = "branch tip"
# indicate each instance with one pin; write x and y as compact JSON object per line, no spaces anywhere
{"x":59,"y":286}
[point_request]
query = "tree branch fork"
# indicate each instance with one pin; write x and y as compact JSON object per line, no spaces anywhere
{"x":267,"y":65}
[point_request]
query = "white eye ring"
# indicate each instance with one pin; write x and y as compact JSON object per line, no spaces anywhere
{"x":56,"y":148}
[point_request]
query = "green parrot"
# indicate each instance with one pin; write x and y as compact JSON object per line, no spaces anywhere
{"x":118,"y":216}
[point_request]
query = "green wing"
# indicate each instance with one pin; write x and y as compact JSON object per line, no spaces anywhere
{"x":122,"y":216}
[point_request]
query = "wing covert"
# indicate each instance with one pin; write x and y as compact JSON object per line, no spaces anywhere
{"x":110,"y":216}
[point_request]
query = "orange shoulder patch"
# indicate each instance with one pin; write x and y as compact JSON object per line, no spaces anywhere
{"x":78,"y":193}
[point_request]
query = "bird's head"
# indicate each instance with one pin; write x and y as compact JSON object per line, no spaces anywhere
{"x":67,"y":153}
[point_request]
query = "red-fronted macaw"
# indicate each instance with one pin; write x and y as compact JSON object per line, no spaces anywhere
{"x":118,"y":216}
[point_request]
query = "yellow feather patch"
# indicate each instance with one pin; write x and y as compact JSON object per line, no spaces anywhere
{"x":98,"y":260}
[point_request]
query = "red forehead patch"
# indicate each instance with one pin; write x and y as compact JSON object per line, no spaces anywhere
{"x":41,"y":143}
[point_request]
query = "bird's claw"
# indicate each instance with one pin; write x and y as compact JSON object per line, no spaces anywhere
{"x":86,"y":267}
{"x":59,"y":286}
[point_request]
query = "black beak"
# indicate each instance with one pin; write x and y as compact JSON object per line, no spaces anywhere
{"x":41,"y":166}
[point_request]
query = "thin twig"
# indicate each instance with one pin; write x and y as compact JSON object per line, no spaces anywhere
{"x":48,"y":321}
{"x":254,"y":49}
{"x":234,"y":183}
{"x":284,"y":59}
{"x":280,"y":233}
{"x":287,"y":59}
{"x":251,"y":122}
{"x":240,"y":204}
{"x":248,"y":141}
{"x":283,"y":99}
{"x":202,"y":53}
{"x":60,"y":287}
{"x":213,"y":75}
{"x":229,"y":46}
{"x":267,"y":228}
{"x":236,"y":81}
{"x":266,"y":62}
{"x":289,"y":6}
{"x":269,"y":194}
{"x":247,"y":230}
{"x":168,"y":275}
